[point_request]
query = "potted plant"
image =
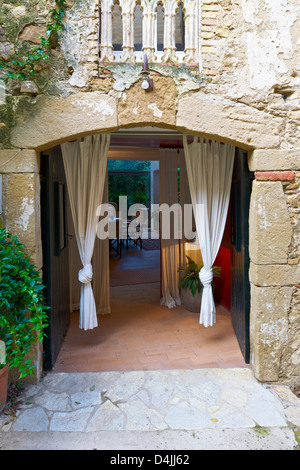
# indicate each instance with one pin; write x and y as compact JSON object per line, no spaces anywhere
{"x":191,"y":286}
{"x":22,"y":311}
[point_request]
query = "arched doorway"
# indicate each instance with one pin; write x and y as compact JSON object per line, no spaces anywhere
{"x":235,"y":244}
{"x":49,"y":120}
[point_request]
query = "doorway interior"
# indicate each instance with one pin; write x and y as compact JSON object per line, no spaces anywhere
{"x":139,"y":333}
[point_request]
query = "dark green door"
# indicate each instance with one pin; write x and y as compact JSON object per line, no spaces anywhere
{"x":240,"y":286}
{"x":55,"y":252}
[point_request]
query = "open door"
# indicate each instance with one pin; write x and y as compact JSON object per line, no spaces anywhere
{"x":240,"y":285}
{"x":55,"y":252}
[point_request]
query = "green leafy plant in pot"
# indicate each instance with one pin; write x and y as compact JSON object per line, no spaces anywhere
{"x":23,"y":314}
{"x":191,"y":286}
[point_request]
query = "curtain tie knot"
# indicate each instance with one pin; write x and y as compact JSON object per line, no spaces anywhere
{"x":206,"y":276}
{"x":85,"y":275}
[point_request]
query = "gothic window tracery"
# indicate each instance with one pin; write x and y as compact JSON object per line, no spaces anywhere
{"x":165,"y":30}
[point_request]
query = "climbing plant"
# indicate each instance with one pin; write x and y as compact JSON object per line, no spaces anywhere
{"x":23,"y":313}
{"x":25,"y":68}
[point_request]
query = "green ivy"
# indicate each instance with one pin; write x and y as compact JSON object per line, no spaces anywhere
{"x":25,"y":69}
{"x":23,"y":314}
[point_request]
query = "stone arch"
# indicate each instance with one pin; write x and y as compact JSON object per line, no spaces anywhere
{"x":49,"y":121}
{"x":52,"y":120}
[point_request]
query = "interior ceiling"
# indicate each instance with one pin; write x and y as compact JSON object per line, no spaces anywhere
{"x":147,"y":137}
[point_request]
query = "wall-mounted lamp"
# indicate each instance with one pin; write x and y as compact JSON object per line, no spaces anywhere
{"x":147,"y":83}
{"x":193,"y":244}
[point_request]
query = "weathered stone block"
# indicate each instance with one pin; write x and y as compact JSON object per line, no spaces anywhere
{"x":33,"y":33}
{"x":269,"y":329}
{"x":272,"y":160}
{"x":157,"y":106}
{"x":229,"y":122}
{"x":22,"y":203}
{"x":19,"y":161}
{"x":290,"y":363}
{"x":18,"y":11}
{"x":56,"y":120}
{"x":274,"y":274}
{"x":6,"y":50}
{"x":270,"y":229}
{"x":30,"y":87}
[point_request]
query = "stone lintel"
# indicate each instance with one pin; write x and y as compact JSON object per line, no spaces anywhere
{"x":156,"y":107}
{"x":274,"y":160}
{"x":56,"y":120}
{"x":233,"y":124}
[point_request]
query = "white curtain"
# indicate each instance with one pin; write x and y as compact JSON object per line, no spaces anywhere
{"x":185,"y":200}
{"x":209,"y":167}
{"x":170,"y":247}
{"x":85,"y":163}
{"x":100,"y":263}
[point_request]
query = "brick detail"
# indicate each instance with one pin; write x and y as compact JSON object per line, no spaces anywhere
{"x":210,"y":36}
{"x":210,"y":22}
{"x":274,"y":175}
{"x":209,"y":72}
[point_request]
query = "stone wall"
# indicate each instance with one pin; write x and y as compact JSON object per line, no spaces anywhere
{"x":249,"y":58}
{"x":244,"y":91}
{"x":21,"y":216}
{"x":275,"y":268}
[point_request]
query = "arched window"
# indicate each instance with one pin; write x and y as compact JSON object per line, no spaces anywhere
{"x":117,"y":38}
{"x":179,"y":29}
{"x":160,"y":28}
{"x":138,"y":28}
{"x":164,"y":30}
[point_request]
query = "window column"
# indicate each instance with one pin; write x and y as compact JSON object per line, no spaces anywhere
{"x":128,"y":30}
{"x":106,"y":47}
{"x":149,"y":36}
{"x":169,"y":32}
{"x":191,"y":36}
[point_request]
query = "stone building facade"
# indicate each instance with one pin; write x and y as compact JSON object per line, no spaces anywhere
{"x":237,"y":82}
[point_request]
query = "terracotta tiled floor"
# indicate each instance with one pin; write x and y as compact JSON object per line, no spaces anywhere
{"x":140,"y":334}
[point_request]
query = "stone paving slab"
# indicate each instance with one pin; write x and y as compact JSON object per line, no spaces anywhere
{"x":174,"y":408}
{"x":168,"y":440}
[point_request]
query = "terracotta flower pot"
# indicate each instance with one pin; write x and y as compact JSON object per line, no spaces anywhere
{"x":3,"y":386}
{"x":190,"y":301}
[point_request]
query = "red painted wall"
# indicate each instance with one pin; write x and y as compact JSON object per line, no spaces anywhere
{"x":222,"y":293}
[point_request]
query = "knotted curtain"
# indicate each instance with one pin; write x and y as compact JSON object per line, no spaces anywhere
{"x":209,"y":168}
{"x":85,"y":163}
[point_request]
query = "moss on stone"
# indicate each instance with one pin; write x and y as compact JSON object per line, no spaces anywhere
{"x":126,"y":74}
{"x":297,"y":437}
{"x":7,"y":116}
{"x":261,"y":431}
{"x":12,"y":25}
